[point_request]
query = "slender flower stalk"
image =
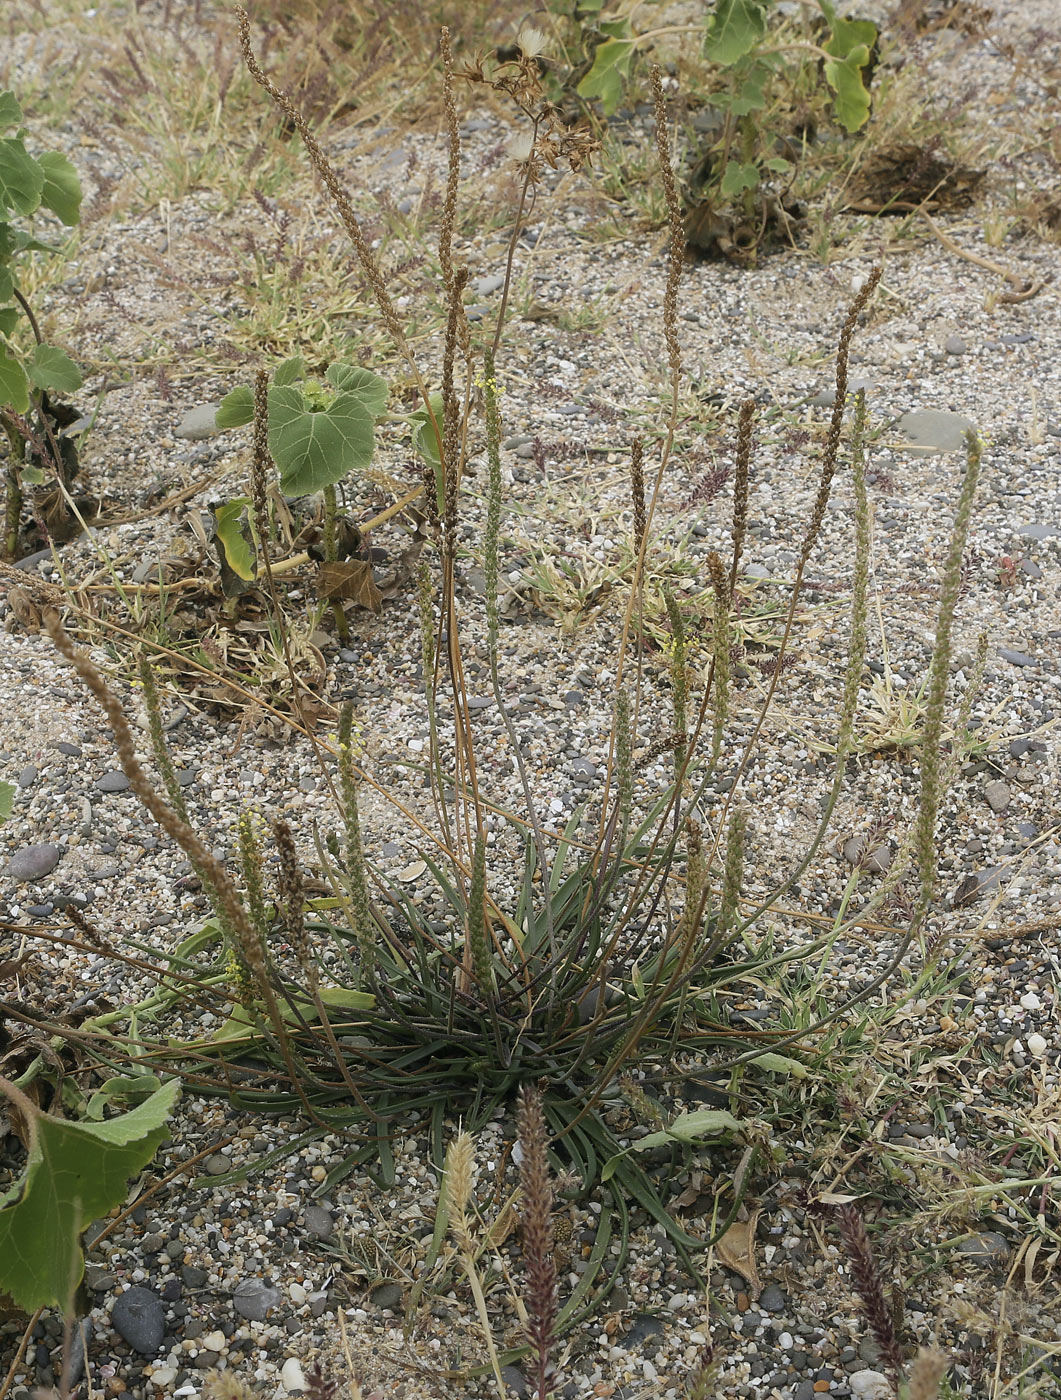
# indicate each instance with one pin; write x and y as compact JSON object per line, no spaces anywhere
{"x":478,"y":935}
{"x":360,"y":903}
{"x":719,"y":653}
{"x":870,"y":1288}
{"x":536,"y":1210}
{"x":739,"y":521}
{"x":293,"y":903}
{"x":939,"y":670}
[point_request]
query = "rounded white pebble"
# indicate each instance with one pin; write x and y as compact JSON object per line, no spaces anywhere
{"x":1030,"y":1001}
{"x":785,"y":1341}
{"x":650,"y":1372}
{"x":291,"y":1377}
{"x":1037,"y":1044}
{"x":214,"y":1341}
{"x":870,"y":1385}
{"x":163,"y":1377}
{"x":297,"y":1294}
{"x":677,"y":1301}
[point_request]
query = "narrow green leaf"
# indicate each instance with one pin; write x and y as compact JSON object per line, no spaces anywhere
{"x":735,"y":29}
{"x":52,"y":369}
{"x":687,"y":1127}
{"x":14,"y":387}
{"x":7,"y":799}
{"x":62,"y":188}
{"x":123,"y":1088}
{"x":236,"y":409}
{"x":75,"y":1173}
{"x":7,"y":292}
{"x":778,"y":163}
{"x":780,"y":1064}
{"x":21,"y":178}
{"x":229,"y":527}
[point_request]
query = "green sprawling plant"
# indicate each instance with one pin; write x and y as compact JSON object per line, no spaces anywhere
{"x":29,"y":183}
{"x":611,"y":960}
{"x":767,"y":85}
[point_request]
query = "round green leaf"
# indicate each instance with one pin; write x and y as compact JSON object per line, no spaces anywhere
{"x":21,"y":178}
{"x":52,"y":369}
{"x":735,"y":29}
{"x":14,"y":388}
{"x":317,"y":449}
{"x":369,"y":387}
{"x":236,"y":409}
{"x":290,"y":371}
{"x":62,"y":188}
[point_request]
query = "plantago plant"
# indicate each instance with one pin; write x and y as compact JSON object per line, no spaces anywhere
{"x":592,"y":984}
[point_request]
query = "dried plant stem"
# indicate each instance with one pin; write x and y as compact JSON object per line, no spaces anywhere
{"x":867,"y":1281}
{"x":345,"y":209}
{"x":939,"y":670}
{"x":537,"y":1235}
{"x":460,"y":1162}
{"x":180,"y":832}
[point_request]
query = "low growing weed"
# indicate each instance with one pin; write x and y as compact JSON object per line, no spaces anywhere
{"x":363,"y":1010}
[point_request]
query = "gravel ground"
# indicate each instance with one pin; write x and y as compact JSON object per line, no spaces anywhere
{"x":263,"y":1274}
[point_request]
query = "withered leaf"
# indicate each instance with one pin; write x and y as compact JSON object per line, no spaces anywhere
{"x":350,"y":579}
{"x":736,"y":1249}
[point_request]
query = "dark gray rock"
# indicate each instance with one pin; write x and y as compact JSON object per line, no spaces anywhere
{"x":387,"y":1295}
{"x":772,"y":1299}
{"x":114,"y":781}
{"x":140,"y":1319}
{"x":515,"y":1381}
{"x":1037,"y":531}
{"x":954,"y":345}
{"x":989,"y":1249}
{"x":33,"y":862}
{"x":28,"y":776}
{"x":1017,"y":658}
{"x":217,"y":1164}
{"x":254,"y":1299}
{"x":644,"y":1326}
{"x":193,"y":1278}
{"x":319,"y":1222}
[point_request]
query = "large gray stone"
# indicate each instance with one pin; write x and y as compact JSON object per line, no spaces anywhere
{"x":139,"y":1317}
{"x":254,"y":1298}
{"x":932,"y":430}
{"x":33,"y":862}
{"x":198,"y":423}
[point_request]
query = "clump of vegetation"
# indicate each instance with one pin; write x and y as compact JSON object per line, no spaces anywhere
{"x":577,"y":997}
{"x":29,"y":416}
